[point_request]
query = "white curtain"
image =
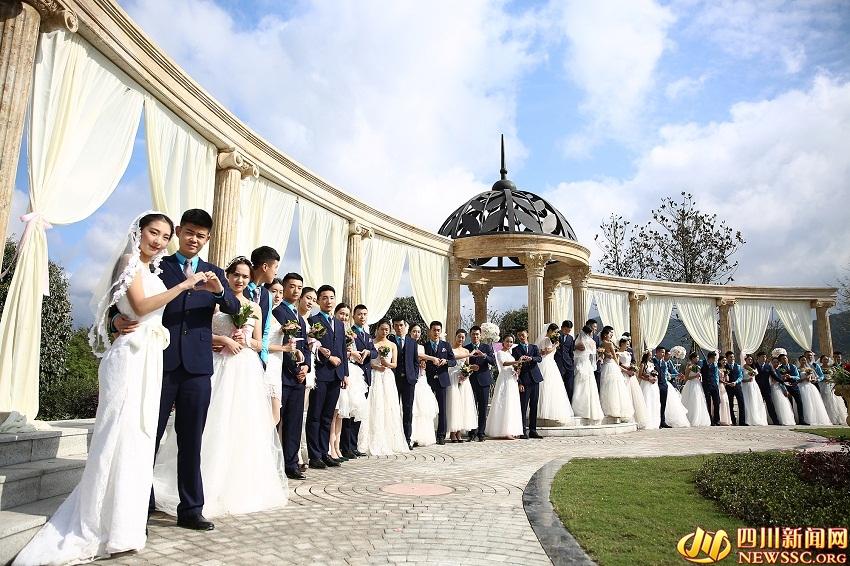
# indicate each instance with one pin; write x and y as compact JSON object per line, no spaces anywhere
{"x":83,"y":119}
{"x":564,"y":305}
{"x":429,"y":279}
{"x":654,"y":320}
{"x":699,"y":316}
{"x":265,"y":216}
{"x":383,"y":262}
{"x":797,"y":318}
{"x":181,"y":165}
{"x":613,"y":308}
{"x":749,"y":320}
{"x":323,"y":240}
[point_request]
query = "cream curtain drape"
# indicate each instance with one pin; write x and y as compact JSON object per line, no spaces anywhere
{"x":699,"y":316}
{"x":265,"y":216}
{"x":613,"y":307}
{"x":749,"y":321}
{"x":564,"y":305}
{"x":429,"y":279}
{"x":796,"y":316}
{"x":83,"y":119}
{"x":323,"y":239}
{"x":383,"y":262}
{"x":654,"y":320}
{"x":181,"y":165}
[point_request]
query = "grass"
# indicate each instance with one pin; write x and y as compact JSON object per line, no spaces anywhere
{"x":627,"y":511}
{"x":838,"y":433}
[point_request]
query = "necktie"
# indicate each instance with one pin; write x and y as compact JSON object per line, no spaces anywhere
{"x":187,"y":269}
{"x":525,"y":348}
{"x":255,"y":294}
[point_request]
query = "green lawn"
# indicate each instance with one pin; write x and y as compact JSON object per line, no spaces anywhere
{"x":826,"y":432}
{"x":634,"y":510}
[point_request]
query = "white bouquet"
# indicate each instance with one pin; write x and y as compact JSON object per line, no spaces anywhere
{"x":678,"y":352}
{"x":778,"y":352}
{"x":489,"y":332}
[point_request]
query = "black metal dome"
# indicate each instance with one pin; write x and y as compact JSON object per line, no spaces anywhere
{"x":505,"y":209}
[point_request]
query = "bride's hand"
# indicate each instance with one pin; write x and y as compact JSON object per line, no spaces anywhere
{"x":231,"y":346}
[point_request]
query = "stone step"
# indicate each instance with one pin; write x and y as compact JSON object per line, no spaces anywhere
{"x":587,"y":430}
{"x":67,"y":438}
{"x":19,"y":524}
{"x":28,"y":482}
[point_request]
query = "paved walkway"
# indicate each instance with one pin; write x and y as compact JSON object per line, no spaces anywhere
{"x":343,"y":516}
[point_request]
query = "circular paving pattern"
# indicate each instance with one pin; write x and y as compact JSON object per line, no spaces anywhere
{"x":417,"y":489}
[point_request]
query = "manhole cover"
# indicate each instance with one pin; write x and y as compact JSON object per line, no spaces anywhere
{"x":420,"y":489}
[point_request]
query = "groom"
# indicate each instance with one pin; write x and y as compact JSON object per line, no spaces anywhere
{"x":187,"y":362}
{"x":406,"y":373}
{"x":437,"y":373}
{"x":481,"y":378}
{"x":529,"y":382}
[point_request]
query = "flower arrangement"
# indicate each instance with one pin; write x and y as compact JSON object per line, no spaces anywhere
{"x":290,"y":329}
{"x":465,"y":370}
{"x":840,"y":375}
{"x":384,"y":351}
{"x":555,"y":338}
{"x":489,"y":332}
{"x":349,"y":337}
{"x":678,"y":352}
{"x":778,"y":352}
{"x":242,"y":317}
{"x":317,"y":331}
{"x":694,"y":368}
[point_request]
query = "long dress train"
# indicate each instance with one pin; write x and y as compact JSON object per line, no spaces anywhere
{"x":505,"y":418}
{"x":553,"y":403}
{"x":675,"y":412}
{"x":425,"y":410}
{"x":107,"y":511}
{"x":613,"y":393}
{"x":382,"y":434}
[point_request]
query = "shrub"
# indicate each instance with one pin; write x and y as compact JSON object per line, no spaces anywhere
{"x":513,"y":321}
{"x":767,"y":489}
{"x":74,"y":396}
{"x":829,"y":468}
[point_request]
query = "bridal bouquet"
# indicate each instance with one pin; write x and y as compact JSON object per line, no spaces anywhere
{"x":555,"y":338}
{"x":242,"y":317}
{"x":384,"y":351}
{"x":678,"y":352}
{"x":349,"y":337}
{"x":290,"y":329}
{"x":840,"y":375}
{"x":694,"y":368}
{"x":489,"y":332}
{"x":317,"y":331}
{"x":465,"y":371}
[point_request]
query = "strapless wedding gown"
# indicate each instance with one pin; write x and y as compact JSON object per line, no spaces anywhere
{"x":585,"y":393}
{"x":108,"y":510}
{"x":241,"y":457}
{"x":553,"y":403}
{"x":647,"y":413}
{"x":834,"y":404}
{"x":425,"y":410}
{"x":753,"y":402}
{"x":382,"y":434}
{"x":613,"y":393}
{"x":461,"y":412}
{"x":505,"y":418}
{"x":693,"y":397}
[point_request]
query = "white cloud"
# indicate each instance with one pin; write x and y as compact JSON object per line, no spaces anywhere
{"x":778,"y":170}
{"x":685,"y":87}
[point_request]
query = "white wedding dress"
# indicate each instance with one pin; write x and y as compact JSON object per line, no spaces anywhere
{"x":813,"y":408}
{"x":382,"y":434}
{"x":693,"y":397}
{"x":613,"y":393}
{"x":108,"y":510}
{"x":241,"y":456}
{"x":352,"y":402}
{"x":461,"y":412}
{"x":675,"y":412}
{"x":651,"y":399}
{"x":505,"y":418}
{"x":834,"y":404}
{"x":585,"y":393}
{"x":781,"y":404}
{"x":425,"y":410}
{"x":643,"y":402}
{"x":553,"y":403}
{"x":753,"y":401}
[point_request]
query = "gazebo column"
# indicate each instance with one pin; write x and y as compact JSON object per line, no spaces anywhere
{"x":535,"y":267}
{"x":351,"y":291}
{"x":480,"y":291}
{"x":635,"y":299}
{"x":453,"y":299}
{"x":581,"y":297}
{"x":823,"y":327}
{"x":725,"y":337}
{"x":232,"y":167}
{"x":19,"y":27}
{"x":549,"y":302}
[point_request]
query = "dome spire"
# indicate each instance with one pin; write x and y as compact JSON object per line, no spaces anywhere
{"x":503,"y":170}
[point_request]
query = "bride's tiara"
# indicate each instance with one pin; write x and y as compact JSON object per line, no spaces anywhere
{"x":239,"y":259}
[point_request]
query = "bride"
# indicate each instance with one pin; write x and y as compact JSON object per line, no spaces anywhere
{"x":585,"y":393}
{"x":241,"y":457}
{"x":505,"y":415}
{"x":107,"y":512}
{"x":553,"y":404}
{"x":613,"y":392}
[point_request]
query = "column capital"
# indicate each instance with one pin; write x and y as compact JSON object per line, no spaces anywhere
{"x":480,"y":290}
{"x":233,"y":158}
{"x":578,"y":274}
{"x":726,"y":302}
{"x":637,"y":297}
{"x":355,"y":228}
{"x":455,"y":268}
{"x":550,"y":286}
{"x":55,"y":14}
{"x":535,"y":263}
{"x":823,"y":303}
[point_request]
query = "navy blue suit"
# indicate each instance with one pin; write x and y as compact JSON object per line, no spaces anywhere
{"x":530,"y":378}
{"x":350,"y":427}
{"x":661,"y":367}
{"x":439,"y":380}
{"x":789,"y":381}
{"x":711,"y":389}
{"x":735,"y":391}
{"x":187,"y":367}
{"x":406,"y":374}
{"x":765,"y":372}
{"x":292,"y":391}
{"x":323,"y":398}
{"x":564,"y":359}
{"x":481,"y":379}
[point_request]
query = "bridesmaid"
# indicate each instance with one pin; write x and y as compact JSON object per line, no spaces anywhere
{"x":462,"y":414}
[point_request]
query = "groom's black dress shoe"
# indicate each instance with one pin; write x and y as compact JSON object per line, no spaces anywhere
{"x":534,"y":435}
{"x":523,"y":436}
{"x":197,"y":523}
{"x":441,"y":441}
{"x":330,"y":462}
{"x":480,"y":439}
{"x":349,"y":455}
{"x":360,"y":454}
{"x":296,"y":476}
{"x":318,"y":464}
{"x":666,"y":426}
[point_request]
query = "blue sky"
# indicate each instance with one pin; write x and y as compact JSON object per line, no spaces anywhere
{"x":606,"y":106}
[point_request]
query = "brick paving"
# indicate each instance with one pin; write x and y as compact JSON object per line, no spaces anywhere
{"x":342,"y":516}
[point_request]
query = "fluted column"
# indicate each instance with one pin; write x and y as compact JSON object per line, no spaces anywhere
{"x":535,"y":268}
{"x":581,"y":297}
{"x":453,"y":299}
{"x":232,"y":167}
{"x":634,"y":322}
{"x":19,"y":26}
{"x":725,"y":337}
{"x":550,"y":286}
{"x":352,"y":288}
{"x":824,"y":330}
{"x":480,"y":291}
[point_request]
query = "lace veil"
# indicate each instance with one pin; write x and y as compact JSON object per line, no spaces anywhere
{"x":122,"y":267}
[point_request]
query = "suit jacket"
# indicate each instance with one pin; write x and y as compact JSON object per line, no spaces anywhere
{"x":188,"y":318}
{"x":486,"y":363}
{"x":710,"y":374}
{"x":441,"y":374}
{"x":364,"y":341}
{"x":333,"y":340}
{"x":735,"y":372}
{"x":408,"y":358}
{"x":566,"y":351}
{"x":529,"y":371}
{"x":791,"y":378}
{"x":661,"y":368}
{"x":289,"y":372}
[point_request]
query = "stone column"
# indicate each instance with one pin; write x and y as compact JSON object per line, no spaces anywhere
{"x":453,"y":306}
{"x":232,"y":167}
{"x":19,"y":27}
{"x":480,"y":291}
{"x":549,"y":303}
{"x":824,"y":331}
{"x":535,"y":268}
{"x":635,"y":299}
{"x":581,"y":297}
{"x":725,"y":337}
{"x":351,"y":292}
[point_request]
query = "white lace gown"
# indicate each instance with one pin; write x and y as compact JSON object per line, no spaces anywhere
{"x":382,"y":434}
{"x":461,"y":412}
{"x":675,"y":412}
{"x":241,"y":457}
{"x":107,"y":511}
{"x":813,"y":407}
{"x":613,"y":393}
{"x":425,"y":411}
{"x":585,"y":393}
{"x":352,"y":402}
{"x":651,"y":399}
{"x":644,"y":409}
{"x":505,"y":417}
{"x":553,"y":403}
{"x":693,"y":397}
{"x":834,"y":404}
{"x":781,"y":404}
{"x":753,"y":402}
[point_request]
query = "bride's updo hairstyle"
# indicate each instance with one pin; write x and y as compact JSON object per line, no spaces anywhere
{"x":606,"y":332}
{"x":552,"y":328}
{"x":240,"y":259}
{"x":382,"y":322}
{"x":148,"y":218}
{"x":506,"y":336}
{"x":587,"y":329}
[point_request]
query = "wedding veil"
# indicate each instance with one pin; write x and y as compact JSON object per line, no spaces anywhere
{"x":121,"y":269}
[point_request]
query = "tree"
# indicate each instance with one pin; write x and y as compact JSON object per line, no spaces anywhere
{"x":467,"y":317}
{"x":513,"y":321}
{"x":404,"y":307}
{"x":843,"y":295}
{"x":771,"y":336}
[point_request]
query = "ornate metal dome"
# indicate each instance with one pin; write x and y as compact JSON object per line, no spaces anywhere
{"x":505,"y":209}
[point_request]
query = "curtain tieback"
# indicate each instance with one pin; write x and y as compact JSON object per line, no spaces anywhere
{"x":32,"y":219}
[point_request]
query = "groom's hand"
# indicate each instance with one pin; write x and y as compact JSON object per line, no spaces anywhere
{"x":125,"y":325}
{"x":302,"y":374}
{"x":213,"y":284}
{"x":335,"y":361}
